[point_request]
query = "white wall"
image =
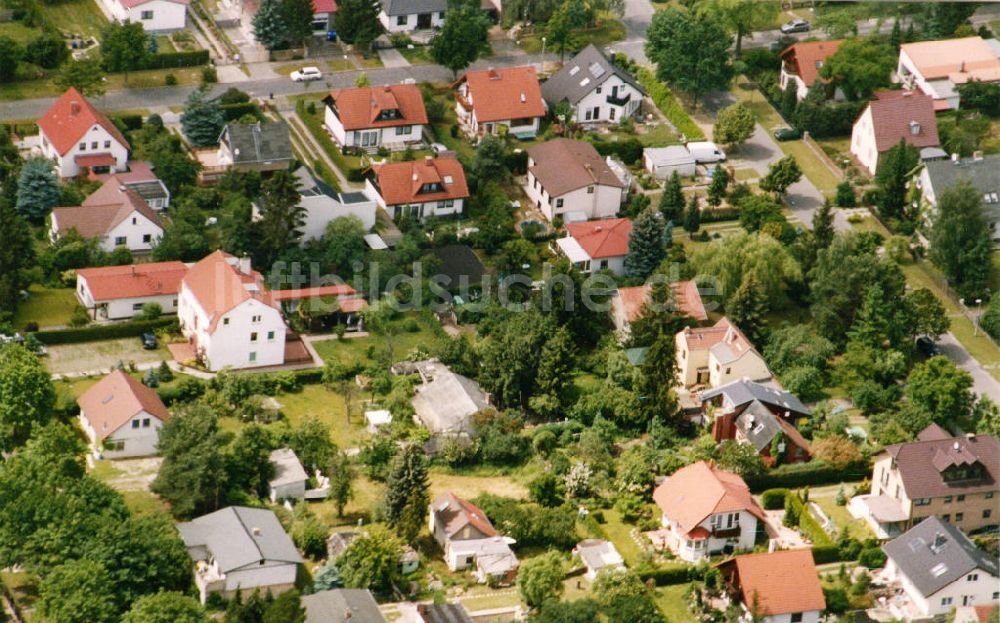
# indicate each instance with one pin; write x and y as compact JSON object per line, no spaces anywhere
{"x":689,"y":361}
{"x":118,"y":309}
{"x":289,"y":491}
{"x":321,"y":210}
{"x":750,"y":365}
{"x":811,"y":616}
{"x":604,"y":202}
{"x":139,"y":441}
{"x":395,"y":138}
{"x":94,"y":141}
{"x":139,"y":232}
{"x":744,"y":542}
{"x":863,"y":144}
{"x":391,"y":23}
{"x":960,"y":592}
{"x":663,"y":171}
{"x":600,"y":101}
{"x":165,"y":15}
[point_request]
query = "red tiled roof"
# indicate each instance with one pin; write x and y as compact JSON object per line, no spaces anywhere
{"x":138,"y":171}
{"x":774,"y":583}
{"x":502,"y":94}
{"x":219,"y":286}
{"x":894,"y":112}
{"x":324,"y":6}
{"x":686,"y":295}
{"x":115,"y":399}
{"x":109,"y":283}
{"x":802,"y":58}
{"x":703,"y":338}
{"x":352,"y":305}
{"x":359,"y":108}
{"x":563,"y":165}
{"x":456,"y":513}
{"x":95,"y":218}
{"x":699,"y":490}
{"x":94,"y":160}
{"x":400,"y":182}
{"x":605,"y":238}
{"x":312,"y":293}
{"x":70,"y":118}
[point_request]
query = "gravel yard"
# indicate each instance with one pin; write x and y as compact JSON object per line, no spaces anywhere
{"x":103,"y":355}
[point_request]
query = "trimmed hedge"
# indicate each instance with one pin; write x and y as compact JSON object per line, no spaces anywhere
{"x":170,"y":60}
{"x":796,"y":475}
{"x":717,"y":215}
{"x":132,"y":328}
{"x":672,"y":573}
{"x":129,"y":122}
{"x":232,"y":112}
{"x":629,"y":150}
{"x":669,"y":105}
{"x":773,"y":499}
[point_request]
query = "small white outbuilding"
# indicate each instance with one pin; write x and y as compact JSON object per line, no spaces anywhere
{"x":663,"y":161}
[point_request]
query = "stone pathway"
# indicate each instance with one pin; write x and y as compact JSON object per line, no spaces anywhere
{"x":391,"y":57}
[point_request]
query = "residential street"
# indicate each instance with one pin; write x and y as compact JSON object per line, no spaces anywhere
{"x":983,"y":383}
{"x":638,"y":15}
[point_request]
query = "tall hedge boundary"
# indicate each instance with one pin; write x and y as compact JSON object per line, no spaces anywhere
{"x":171,"y":60}
{"x":669,"y":574}
{"x":669,"y":105}
{"x":813,"y":473}
{"x":132,"y":328}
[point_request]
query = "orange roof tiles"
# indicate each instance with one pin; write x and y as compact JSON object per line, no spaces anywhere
{"x":115,"y":399}
{"x":702,"y":338}
{"x":405,"y":182}
{"x":686,"y":295}
{"x":894,"y":112}
{"x":219,"y":286}
{"x":311,"y":293}
{"x":604,"y":238}
{"x":955,"y":59}
{"x":502,"y":94}
{"x":359,"y":108}
{"x":782,"y":582}
{"x":805,"y":59}
{"x":134,"y":281}
{"x":697,"y":491}
{"x":70,"y":118}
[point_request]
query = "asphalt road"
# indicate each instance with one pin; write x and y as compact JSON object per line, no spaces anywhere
{"x":982,"y":382}
{"x":638,"y":15}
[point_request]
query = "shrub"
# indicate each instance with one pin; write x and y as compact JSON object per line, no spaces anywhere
{"x":802,"y":474}
{"x":150,"y":311}
{"x":668,"y":104}
{"x":77,"y":335}
{"x":665,"y":575}
{"x":164,"y":373}
{"x":79,"y":317}
{"x":791,"y":518}
{"x":845,"y":195}
{"x":168,"y":60}
{"x":773,"y":499}
{"x":149,"y":379}
{"x":872,"y":557}
{"x":209,"y":75}
{"x":170,"y":80}
{"x":805,"y":382}
{"x":187,"y":390}
{"x":836,"y":600}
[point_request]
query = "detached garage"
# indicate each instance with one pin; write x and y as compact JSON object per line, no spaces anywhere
{"x":663,"y":161}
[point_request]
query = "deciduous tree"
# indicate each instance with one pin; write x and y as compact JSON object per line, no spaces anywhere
{"x":540,"y":578}
{"x":960,"y":240}
{"x":124,"y":47}
{"x":942,"y":390}
{"x":461,"y":39}
{"x":85,"y":75}
{"x":734,"y":124}
{"x":743,"y":17}
{"x":371,"y":560}
{"x":342,"y":474}
{"x":166,"y":607}
{"x":860,"y":66}
{"x":27,"y":395}
{"x":691,"y":52}
{"x":77,"y":592}
{"x":17,"y":255}
{"x":357,"y":22}
{"x":194,"y":474}
{"x":781,"y":175}
{"x":10,"y":56}
{"x":48,"y":50}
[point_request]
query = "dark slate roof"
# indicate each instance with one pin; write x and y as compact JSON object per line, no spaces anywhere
{"x":922,"y":464}
{"x":409,"y":7}
{"x":984,"y":175}
{"x":745,"y":391}
{"x":342,"y":605}
{"x":238,"y":536}
{"x":445,"y":613}
{"x":458,"y":261}
{"x":258,"y":142}
{"x":758,"y":425}
{"x":589,"y":66}
{"x":933,"y":554}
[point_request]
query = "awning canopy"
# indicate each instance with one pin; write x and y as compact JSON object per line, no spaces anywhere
{"x":94,"y":160}
{"x":352,"y":305}
{"x":296,"y":294}
{"x":572,"y":250}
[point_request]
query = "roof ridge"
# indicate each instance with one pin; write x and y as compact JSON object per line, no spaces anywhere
{"x":249,"y":532}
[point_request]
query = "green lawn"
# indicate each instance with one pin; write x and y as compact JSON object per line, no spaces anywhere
{"x":619,"y":533}
{"x":607,"y":31}
{"x":397,"y":346}
{"x":825,"y":498}
{"x":148,"y":79}
{"x":24,"y":588}
{"x":315,"y":401}
{"x":18,"y":31}
{"x":417,"y":55}
{"x":80,"y":17}
{"x":49,"y":307}
{"x":672,"y":601}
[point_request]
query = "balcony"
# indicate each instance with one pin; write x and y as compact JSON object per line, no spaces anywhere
{"x":726,"y":533}
{"x":618,"y":100}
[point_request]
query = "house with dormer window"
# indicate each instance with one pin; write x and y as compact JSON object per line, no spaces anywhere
{"x":717,"y":355}
{"x":801,"y":62}
{"x":418,"y":189}
{"x":492,"y":99}
{"x":391,"y":116}
{"x":114,"y":215}
{"x":122,"y":417}
{"x":598,"y":90}
{"x":893,"y":116}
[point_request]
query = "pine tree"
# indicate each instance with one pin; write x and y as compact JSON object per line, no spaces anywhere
{"x":281,"y":216}
{"x":357,"y":23}
{"x":672,"y":200}
{"x":872,"y":326}
{"x":789,"y":101}
{"x":896,"y":36}
{"x":297,"y":16}
{"x":556,"y":362}
{"x":717,"y":188}
{"x":668,"y":235}
{"x":822,"y":225}
{"x":406,"y":492}
{"x":269,"y":25}
{"x":692,"y":217}
{"x":657,"y":378}
{"x":645,"y":244}
{"x":748,"y":311}
{"x":202,"y":120}
{"x":892,"y":178}
{"x":17,"y":255}
{"x":37,"y":190}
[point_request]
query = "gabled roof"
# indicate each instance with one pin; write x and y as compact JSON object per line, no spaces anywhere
{"x":401,"y":182}
{"x":699,"y":490}
{"x":444,"y":613}
{"x":581,"y":75}
{"x":597,"y":554}
{"x":686,"y":297}
{"x":922,"y":464}
{"x":115,"y":400}
{"x":287,"y":468}
{"x":907,"y":115}
{"x":342,"y":605}
{"x":70,"y":118}
{"x":604,"y":238}
{"x":410,"y":7}
{"x":563,"y":165}
{"x":109,"y":283}
{"x":502,"y":94}
{"x":453,"y":514}
{"x":804,"y":59}
{"x":237,"y":536}
{"x":446,"y":403}
{"x":93,"y":220}
{"x":984,"y":173}
{"x":217,"y":284}
{"x":744,"y":391}
{"x":360,"y":108}
{"x":958,"y":60}
{"x":782,"y":582}
{"x":760,"y":426}
{"x":324,"y":6}
{"x":934,"y":553}
{"x":257,"y":142}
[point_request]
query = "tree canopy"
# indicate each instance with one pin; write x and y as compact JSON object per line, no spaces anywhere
{"x":691,"y":52}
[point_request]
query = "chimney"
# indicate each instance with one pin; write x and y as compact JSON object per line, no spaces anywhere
{"x":74,"y":107}
{"x":907,"y":93}
{"x":493,"y":75}
{"x":122,"y":188}
{"x":256,"y":531}
{"x":245,"y":267}
{"x":956,"y":446}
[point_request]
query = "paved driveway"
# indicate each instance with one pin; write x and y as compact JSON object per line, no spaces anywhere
{"x":391,"y":57}
{"x":982,"y":383}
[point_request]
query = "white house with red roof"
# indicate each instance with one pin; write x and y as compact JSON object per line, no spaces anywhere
{"x":469,"y":539}
{"x":119,"y":292}
{"x":493,"y":98}
{"x":154,"y":15}
{"x":706,"y":510}
{"x":717,"y":355}
{"x":227,"y":313}
{"x":597,"y":245}
{"x":801,"y":62}
{"x":122,"y":417}
{"x":568,"y":179}
{"x":420,"y":188}
{"x":410,"y":15}
{"x":80,"y":139}
{"x":890,"y":117}
{"x":141,"y":179}
{"x":323,"y":11}
{"x":114,"y":214}
{"x":776,"y":587}
{"x":391,"y":116}
{"x":627,"y":304}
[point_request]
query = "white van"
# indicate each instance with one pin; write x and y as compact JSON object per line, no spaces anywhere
{"x":705,"y":151}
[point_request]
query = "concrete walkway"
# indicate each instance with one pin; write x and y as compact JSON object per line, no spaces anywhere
{"x":393,"y":58}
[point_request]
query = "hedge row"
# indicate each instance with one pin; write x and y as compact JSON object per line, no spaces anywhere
{"x":796,"y":475}
{"x":133,"y":328}
{"x":717,"y":215}
{"x":628,"y":151}
{"x":233,"y":112}
{"x":669,"y":105}
{"x":191,"y":389}
{"x":672,"y":573}
{"x":168,"y":60}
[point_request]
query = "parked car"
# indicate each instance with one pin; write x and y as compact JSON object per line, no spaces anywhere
{"x":927,"y":347}
{"x":438,"y":148}
{"x":787,"y":134}
{"x":149,"y":341}
{"x":706,"y":152}
{"x":796,"y":25}
{"x":306,"y":74}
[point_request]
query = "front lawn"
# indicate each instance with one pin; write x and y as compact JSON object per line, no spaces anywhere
{"x":672,"y":601}
{"x":147,"y":79}
{"x":407,"y":334}
{"x":606,"y":31}
{"x":315,"y":401}
{"x":49,"y":307}
{"x":417,"y":55}
{"x":75,"y":17}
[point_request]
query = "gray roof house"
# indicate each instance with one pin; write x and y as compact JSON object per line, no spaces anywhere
{"x":598,"y":555}
{"x":255,"y":147}
{"x":290,"y":477}
{"x":446,"y":401}
{"x":240,"y":548}
{"x":342,"y":605}
{"x":409,"y":7}
{"x":939,"y":568}
{"x":983,"y":172}
{"x":599,"y":90}
{"x":744,"y":391}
